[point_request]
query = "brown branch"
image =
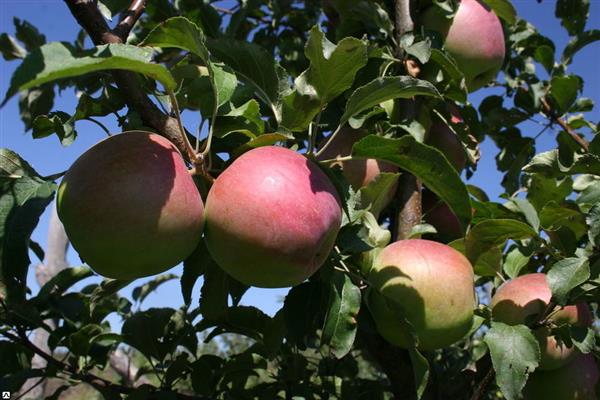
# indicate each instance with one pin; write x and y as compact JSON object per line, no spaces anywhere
{"x":89,"y":17}
{"x":547,"y":109}
{"x":129,"y":18}
{"x":87,"y":377}
{"x":403,"y":23}
{"x":409,"y":204}
{"x":482,"y":388}
{"x":409,"y":187}
{"x":55,"y":260}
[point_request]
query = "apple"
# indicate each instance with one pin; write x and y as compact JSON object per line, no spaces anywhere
{"x":430,"y":284}
{"x":440,"y":216}
{"x":271,"y":218}
{"x":574,"y":381}
{"x":358,"y":173}
{"x":524,"y":298}
{"x":474,"y":38}
{"x":130,"y":207}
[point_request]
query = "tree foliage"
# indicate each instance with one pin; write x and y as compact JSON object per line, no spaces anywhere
{"x":292,"y":73}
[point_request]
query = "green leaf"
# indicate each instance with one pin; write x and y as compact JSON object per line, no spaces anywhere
{"x":62,"y":281}
{"x":494,"y":233}
{"x":181,"y":33}
{"x":254,"y":65}
{"x":340,"y":325}
{"x":488,"y":263}
{"x":514,"y":262}
{"x":332,"y":68}
{"x":565,"y":275}
{"x":572,"y":14}
{"x":578,"y":43}
{"x":550,"y":164}
{"x":420,"y":367}
{"x":155,"y":332}
{"x":56,"y":60}
{"x":15,"y":358}
{"x":504,"y":9}
{"x":24,"y":196}
{"x":555,"y":217}
{"x":59,"y":123}
{"x":593,"y":221}
{"x":194,"y":267}
{"x":426,"y":163}
{"x":375,"y":196}
{"x":387,"y":88}
{"x":297,"y":110}
{"x":564,"y":90}
{"x":141,"y":292}
{"x":525,"y":208}
{"x":28,"y":34}
{"x":515,"y":354}
{"x":10,"y":49}
{"x":105,"y":290}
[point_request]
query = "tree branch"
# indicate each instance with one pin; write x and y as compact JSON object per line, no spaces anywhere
{"x":129,"y":18}
{"x":55,"y":260}
{"x":563,"y":124}
{"x":91,"y":20}
{"x":87,"y":377}
{"x":409,"y":187}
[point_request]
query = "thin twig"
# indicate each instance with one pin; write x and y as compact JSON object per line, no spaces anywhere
{"x":328,"y":142}
{"x":188,"y":146}
{"x":563,"y":124}
{"x":481,"y":389}
{"x":100,"y":124}
{"x":88,"y":15}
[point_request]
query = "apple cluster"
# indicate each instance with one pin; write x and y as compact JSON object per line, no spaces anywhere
{"x":271,"y":219}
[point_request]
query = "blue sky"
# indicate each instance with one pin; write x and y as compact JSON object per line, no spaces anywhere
{"x":48,"y":156}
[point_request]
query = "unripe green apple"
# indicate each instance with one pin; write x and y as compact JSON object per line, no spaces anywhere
{"x":474,"y":38}
{"x":431,"y":285}
{"x":574,"y":381}
{"x":358,"y":173}
{"x":271,"y":218}
{"x":526,"y":297}
{"x":130,"y":207}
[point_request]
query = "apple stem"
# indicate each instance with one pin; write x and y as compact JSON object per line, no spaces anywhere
{"x":188,"y":146}
{"x":329,"y":140}
{"x":100,"y":124}
{"x":197,"y":147}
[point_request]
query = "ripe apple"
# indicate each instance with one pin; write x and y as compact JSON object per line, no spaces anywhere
{"x":431,"y":285}
{"x":130,"y":207}
{"x":474,"y":38}
{"x":574,"y":381}
{"x":526,"y":297}
{"x":438,"y":214}
{"x":358,"y":173}
{"x":271,"y":218}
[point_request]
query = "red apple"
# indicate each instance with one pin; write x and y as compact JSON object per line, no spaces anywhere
{"x":272,"y":218}
{"x":526,"y":297}
{"x":130,"y":207}
{"x":574,"y":381}
{"x":474,"y":38}
{"x":431,"y":285}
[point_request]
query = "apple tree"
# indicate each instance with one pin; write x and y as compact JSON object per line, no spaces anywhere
{"x":331,"y":151}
